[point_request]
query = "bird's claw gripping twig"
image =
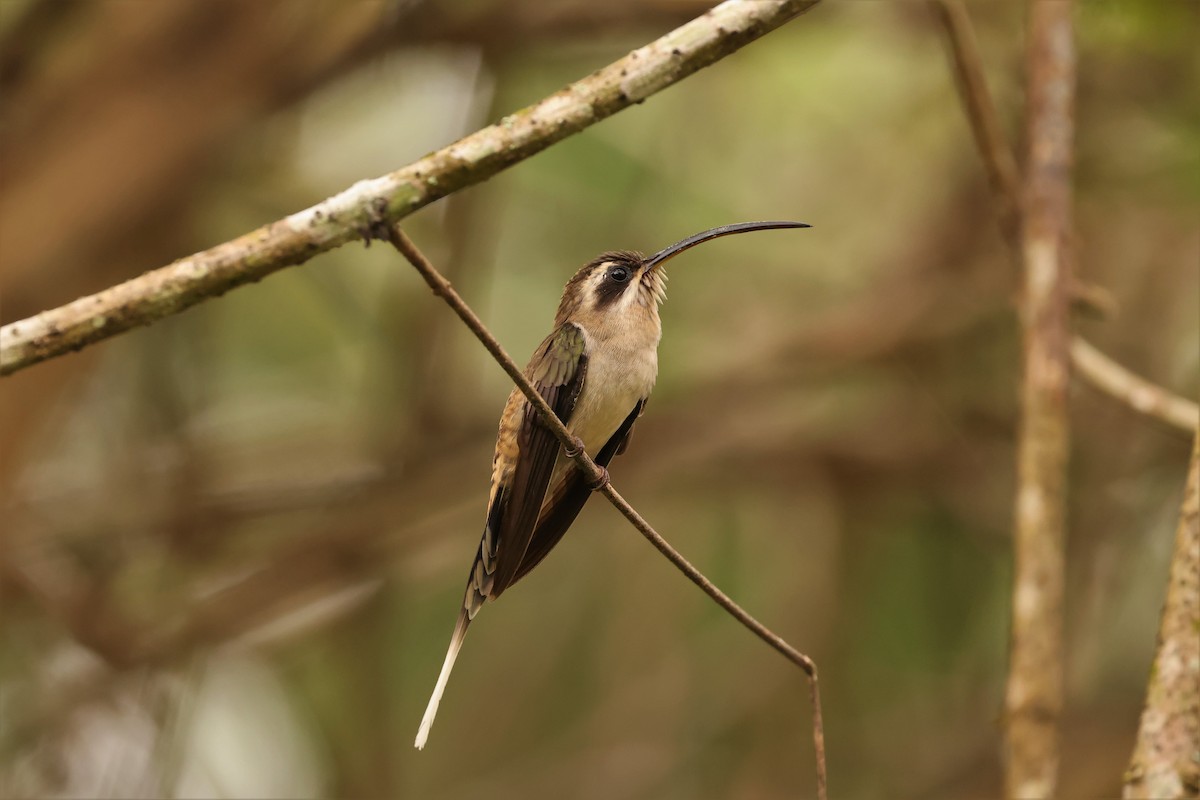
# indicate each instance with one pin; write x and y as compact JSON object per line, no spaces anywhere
{"x":601,"y":481}
{"x":574,"y":451}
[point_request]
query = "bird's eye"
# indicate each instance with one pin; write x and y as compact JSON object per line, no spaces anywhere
{"x":619,"y":274}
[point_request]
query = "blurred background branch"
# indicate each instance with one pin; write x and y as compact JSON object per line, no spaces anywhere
{"x":1003,"y":177}
{"x":1136,"y":392}
{"x":1034,"y":693}
{"x":1101,"y":371}
{"x":1165,"y":759}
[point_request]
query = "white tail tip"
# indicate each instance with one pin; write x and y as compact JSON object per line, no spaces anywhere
{"x":456,"y":640}
{"x":426,"y":724}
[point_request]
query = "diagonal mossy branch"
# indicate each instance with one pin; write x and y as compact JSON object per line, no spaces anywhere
{"x":371,"y":204}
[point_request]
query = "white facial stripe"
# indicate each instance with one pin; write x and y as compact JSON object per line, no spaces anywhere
{"x":600,"y":274}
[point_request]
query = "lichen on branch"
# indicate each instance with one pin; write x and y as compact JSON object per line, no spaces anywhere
{"x":1166,"y":758}
{"x":369,"y":205}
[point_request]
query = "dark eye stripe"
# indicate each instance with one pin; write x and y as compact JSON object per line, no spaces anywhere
{"x":610,"y":289}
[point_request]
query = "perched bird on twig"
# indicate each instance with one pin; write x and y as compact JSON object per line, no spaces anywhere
{"x":596,"y":371}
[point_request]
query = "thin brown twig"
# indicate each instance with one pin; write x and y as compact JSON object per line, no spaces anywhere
{"x":1034,"y":690}
{"x":1003,"y":174}
{"x":442,"y":288}
{"x":1134,"y":390}
{"x":1101,"y":371}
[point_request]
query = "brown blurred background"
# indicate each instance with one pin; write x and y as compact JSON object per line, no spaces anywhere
{"x":235,"y":543}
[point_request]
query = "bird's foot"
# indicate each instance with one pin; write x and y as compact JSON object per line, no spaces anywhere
{"x":575,"y":449}
{"x":600,"y":481}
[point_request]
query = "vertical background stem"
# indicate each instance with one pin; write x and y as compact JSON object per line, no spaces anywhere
{"x":1033,"y":698}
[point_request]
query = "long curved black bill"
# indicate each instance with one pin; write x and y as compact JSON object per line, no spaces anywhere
{"x":667,"y":253}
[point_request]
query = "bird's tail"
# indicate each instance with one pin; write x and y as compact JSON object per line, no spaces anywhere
{"x":456,"y":640}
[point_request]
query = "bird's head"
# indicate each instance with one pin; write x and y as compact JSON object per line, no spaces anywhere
{"x":626,"y":284}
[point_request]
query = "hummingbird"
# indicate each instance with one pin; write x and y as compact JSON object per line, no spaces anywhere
{"x":596,"y":370}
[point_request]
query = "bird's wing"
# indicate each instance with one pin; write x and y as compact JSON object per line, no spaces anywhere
{"x":558,"y":370}
{"x":567,"y":498}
